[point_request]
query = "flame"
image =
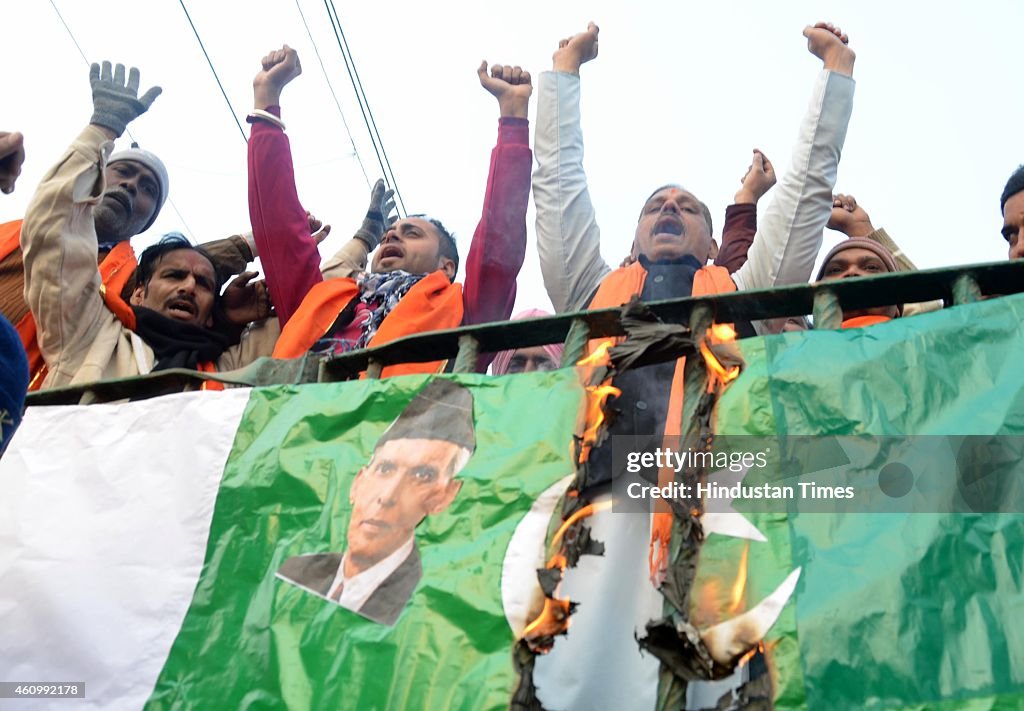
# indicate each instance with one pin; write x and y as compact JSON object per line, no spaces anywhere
{"x":596,"y":396}
{"x":553,"y":620}
{"x":598,"y":357}
{"x":555,"y":617}
{"x":588,"y":510}
{"x":719,"y":333}
{"x":750,"y":654}
{"x":740,"y":584}
{"x":722,"y":333}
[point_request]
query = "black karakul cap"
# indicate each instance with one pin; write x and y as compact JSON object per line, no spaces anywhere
{"x":442,"y":410}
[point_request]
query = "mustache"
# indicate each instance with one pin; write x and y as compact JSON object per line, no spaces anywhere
{"x":122,"y":197}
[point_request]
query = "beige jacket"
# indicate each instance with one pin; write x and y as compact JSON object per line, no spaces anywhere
{"x":81,"y":340}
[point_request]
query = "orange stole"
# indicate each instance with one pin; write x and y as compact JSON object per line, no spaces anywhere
{"x":10,"y":236}
{"x":617,"y":289}
{"x":115,"y":270}
{"x":862,"y":321}
{"x":433,"y":304}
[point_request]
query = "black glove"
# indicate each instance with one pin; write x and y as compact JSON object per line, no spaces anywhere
{"x":114,"y":103}
{"x":377,"y":219}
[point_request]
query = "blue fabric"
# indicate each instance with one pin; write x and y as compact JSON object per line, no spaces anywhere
{"x":13,"y":381}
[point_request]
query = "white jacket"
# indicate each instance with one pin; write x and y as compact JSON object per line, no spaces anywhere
{"x":789,"y":234}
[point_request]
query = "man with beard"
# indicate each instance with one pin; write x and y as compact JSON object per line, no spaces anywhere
{"x":84,"y":335}
{"x":137,"y":188}
{"x":410,"y":288}
{"x":673,"y":243}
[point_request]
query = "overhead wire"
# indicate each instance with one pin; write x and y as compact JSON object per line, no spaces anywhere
{"x":210,"y":62}
{"x":364,"y":104}
{"x":131,"y":137}
{"x":337,"y":103}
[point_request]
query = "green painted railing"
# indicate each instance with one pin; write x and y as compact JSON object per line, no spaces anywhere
{"x":825,"y":300}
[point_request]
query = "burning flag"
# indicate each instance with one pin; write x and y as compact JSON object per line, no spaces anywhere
{"x":140,"y":544}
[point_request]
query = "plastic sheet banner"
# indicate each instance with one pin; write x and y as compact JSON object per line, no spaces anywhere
{"x":912,"y":610}
{"x":366,"y":545}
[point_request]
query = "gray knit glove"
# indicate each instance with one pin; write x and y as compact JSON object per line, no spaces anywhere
{"x":114,"y":103}
{"x":377,"y":219}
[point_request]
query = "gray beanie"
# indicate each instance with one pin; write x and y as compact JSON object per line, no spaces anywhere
{"x":140,"y":155}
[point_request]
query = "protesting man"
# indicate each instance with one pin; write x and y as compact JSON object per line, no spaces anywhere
{"x":673,"y":242}
{"x":83,"y":334}
{"x":134,"y":177}
{"x":411,"y":286}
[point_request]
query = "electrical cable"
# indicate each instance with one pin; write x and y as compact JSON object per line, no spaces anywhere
{"x":364,"y":106}
{"x":208,"y":61}
{"x":336,"y":102}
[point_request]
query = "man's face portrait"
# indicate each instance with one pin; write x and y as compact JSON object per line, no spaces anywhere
{"x":405,"y":481}
{"x":412,"y":474}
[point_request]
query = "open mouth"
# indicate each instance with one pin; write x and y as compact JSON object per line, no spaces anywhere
{"x":668,"y":226}
{"x":181,"y":309}
{"x":391,"y":250}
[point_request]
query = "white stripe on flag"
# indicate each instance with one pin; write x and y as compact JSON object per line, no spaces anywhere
{"x":104,"y":517}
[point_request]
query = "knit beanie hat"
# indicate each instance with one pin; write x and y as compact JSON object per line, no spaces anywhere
{"x":872,"y":246}
{"x":13,"y":380}
{"x":140,"y":155}
{"x":869,"y":244}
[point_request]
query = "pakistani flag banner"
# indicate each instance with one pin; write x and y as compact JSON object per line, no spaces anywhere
{"x":364,"y":545}
{"x":918,"y":608}
{"x":374,"y":544}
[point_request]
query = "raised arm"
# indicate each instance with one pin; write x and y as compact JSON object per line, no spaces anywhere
{"x":568,"y":238}
{"x":498,"y":248}
{"x":789,"y":236}
{"x":12,"y":156}
{"x":852,"y":220}
{"x":741,"y":217}
{"x":280,"y":225}
{"x":58,"y":237}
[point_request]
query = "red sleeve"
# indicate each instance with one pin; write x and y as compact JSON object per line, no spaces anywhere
{"x":291,"y":261}
{"x":737,"y":236}
{"x":499,"y":244}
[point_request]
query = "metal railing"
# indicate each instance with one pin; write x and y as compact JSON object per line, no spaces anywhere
{"x":824,"y":300}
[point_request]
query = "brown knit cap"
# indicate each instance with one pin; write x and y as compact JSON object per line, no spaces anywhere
{"x":869,"y":244}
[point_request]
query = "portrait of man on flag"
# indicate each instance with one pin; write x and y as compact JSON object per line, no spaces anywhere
{"x":411,"y":474}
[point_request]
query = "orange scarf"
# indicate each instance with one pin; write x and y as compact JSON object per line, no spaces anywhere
{"x":433,"y":304}
{"x":617,"y":289}
{"x":862,"y":321}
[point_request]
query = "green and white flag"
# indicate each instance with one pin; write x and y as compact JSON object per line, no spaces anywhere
{"x":184,"y":551}
{"x":911,"y":595}
{"x":142,"y":545}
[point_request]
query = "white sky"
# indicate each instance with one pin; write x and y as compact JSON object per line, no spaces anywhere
{"x":680,"y":93}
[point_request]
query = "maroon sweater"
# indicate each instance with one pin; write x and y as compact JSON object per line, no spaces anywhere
{"x":291,"y":259}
